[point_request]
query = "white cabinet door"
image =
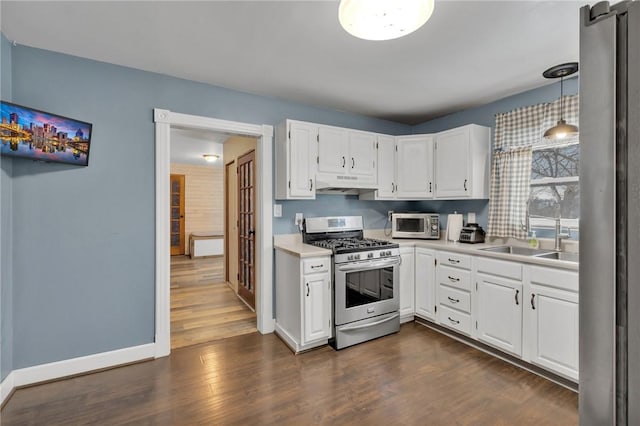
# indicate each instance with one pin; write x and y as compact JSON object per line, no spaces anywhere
{"x":332,"y":150}
{"x":425,"y":277}
{"x":414,"y":168}
{"x":386,"y":167}
{"x":554,"y":330}
{"x":302,"y":159}
{"x":452,"y":163}
{"x":362,"y":154}
{"x":407,"y":282}
{"x":317,"y":307}
{"x":499,"y":312}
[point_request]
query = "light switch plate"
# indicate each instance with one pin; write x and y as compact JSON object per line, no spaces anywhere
{"x":277,"y":210}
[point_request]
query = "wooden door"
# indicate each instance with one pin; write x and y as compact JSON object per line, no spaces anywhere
{"x":246,"y":228}
{"x":176,"y":227}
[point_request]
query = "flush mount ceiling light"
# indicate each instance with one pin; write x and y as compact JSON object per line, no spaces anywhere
{"x":210,"y":158}
{"x":383,"y":19}
{"x":562,"y":129}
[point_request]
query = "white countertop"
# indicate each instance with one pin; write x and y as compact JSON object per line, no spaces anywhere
{"x":292,"y":243}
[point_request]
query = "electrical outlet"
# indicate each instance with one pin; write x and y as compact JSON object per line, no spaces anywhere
{"x":389,"y":213}
{"x":277,"y":210}
{"x":298,"y":220}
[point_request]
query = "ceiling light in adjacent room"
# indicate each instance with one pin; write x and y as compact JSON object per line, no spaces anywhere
{"x":562,"y":129}
{"x":383,"y":19}
{"x":210,"y":158}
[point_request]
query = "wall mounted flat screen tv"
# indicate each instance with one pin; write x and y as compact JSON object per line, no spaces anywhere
{"x":43,"y":136}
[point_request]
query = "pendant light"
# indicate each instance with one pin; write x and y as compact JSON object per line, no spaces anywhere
{"x":383,"y":19}
{"x":562,"y":129}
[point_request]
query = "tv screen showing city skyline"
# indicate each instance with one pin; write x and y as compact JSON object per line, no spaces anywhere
{"x":43,"y":136}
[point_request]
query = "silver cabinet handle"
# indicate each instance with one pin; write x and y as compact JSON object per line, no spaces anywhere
{"x":452,"y":300}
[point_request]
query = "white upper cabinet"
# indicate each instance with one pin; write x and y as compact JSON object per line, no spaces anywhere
{"x":386,"y":168}
{"x":414,"y":167}
{"x":332,"y":150}
{"x":346,"y":158}
{"x":296,"y":144}
{"x":462,"y":162}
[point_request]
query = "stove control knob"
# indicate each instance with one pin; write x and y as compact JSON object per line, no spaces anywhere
{"x":357,"y":256}
{"x":382,"y":253}
{"x":388,"y":252}
{"x":350,"y":257}
{"x":370,"y":255}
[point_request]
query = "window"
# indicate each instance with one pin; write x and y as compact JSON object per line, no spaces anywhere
{"x":555,"y":188}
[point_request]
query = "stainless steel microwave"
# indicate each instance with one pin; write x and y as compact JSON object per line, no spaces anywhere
{"x":415,"y":225}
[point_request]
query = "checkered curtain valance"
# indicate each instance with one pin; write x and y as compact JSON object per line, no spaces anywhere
{"x":515,"y":132}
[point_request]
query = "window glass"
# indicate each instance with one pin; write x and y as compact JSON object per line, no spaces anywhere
{"x":555,"y":188}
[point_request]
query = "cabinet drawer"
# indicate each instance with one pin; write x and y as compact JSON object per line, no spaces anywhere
{"x":558,"y":278}
{"x":454,"y":277}
{"x":454,"y":259}
{"x":457,"y":299}
{"x":311,"y":266}
{"x":499,"y":268}
{"x":454,"y":319}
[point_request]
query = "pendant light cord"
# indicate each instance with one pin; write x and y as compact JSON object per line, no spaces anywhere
{"x":561,"y":97}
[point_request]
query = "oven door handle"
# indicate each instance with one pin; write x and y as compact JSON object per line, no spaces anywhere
{"x":371,"y":324}
{"x":369,"y":265}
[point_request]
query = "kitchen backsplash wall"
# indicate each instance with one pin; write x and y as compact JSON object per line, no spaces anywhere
{"x":373,"y":212}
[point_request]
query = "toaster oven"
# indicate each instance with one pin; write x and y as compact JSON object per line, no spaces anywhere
{"x":415,"y":225}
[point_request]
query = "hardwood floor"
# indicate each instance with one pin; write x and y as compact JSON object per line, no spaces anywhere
{"x":414,"y":377}
{"x":203,"y":307}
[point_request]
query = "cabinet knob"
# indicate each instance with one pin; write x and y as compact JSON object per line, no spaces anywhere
{"x":465,"y":184}
{"x":517,"y":292}
{"x":344,"y":161}
{"x":307,"y":289}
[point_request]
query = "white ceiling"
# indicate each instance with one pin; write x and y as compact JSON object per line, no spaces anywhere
{"x":189,"y":145}
{"x":469,"y":53}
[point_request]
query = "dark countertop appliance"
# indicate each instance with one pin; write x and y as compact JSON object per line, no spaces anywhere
{"x":472,"y":233}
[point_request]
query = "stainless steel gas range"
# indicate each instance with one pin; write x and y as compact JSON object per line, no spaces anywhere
{"x":366,"y":300}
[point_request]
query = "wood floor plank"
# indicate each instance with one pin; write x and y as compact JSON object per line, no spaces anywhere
{"x":414,"y":377}
{"x":203,"y":307}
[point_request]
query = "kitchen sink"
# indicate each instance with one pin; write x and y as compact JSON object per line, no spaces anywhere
{"x":522,"y":251}
{"x":560,"y":255}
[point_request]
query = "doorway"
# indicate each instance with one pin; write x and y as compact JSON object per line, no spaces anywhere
{"x":164,"y":120}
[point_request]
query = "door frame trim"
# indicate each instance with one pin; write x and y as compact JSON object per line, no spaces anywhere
{"x":163,"y":120}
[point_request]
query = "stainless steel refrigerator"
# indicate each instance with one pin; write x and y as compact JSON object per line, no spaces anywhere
{"x":610,"y":214}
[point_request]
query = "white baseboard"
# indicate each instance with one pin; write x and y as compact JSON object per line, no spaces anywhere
{"x":287,"y":338}
{"x":6,"y":388}
{"x":71,"y":367}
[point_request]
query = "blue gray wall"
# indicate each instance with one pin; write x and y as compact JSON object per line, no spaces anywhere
{"x":83,"y":238}
{"x":6,"y":281}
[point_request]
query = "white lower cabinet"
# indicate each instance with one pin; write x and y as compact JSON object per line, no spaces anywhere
{"x":303,"y":300}
{"x":425,"y":276}
{"x":498,"y":304}
{"x":551,"y":320}
{"x":499,"y":312}
{"x":407,"y":284}
{"x":453,"y":277}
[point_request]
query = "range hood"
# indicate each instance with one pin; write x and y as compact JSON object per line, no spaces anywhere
{"x":347,"y":185}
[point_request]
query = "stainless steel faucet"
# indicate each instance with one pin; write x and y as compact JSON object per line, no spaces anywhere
{"x":559,"y":235}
